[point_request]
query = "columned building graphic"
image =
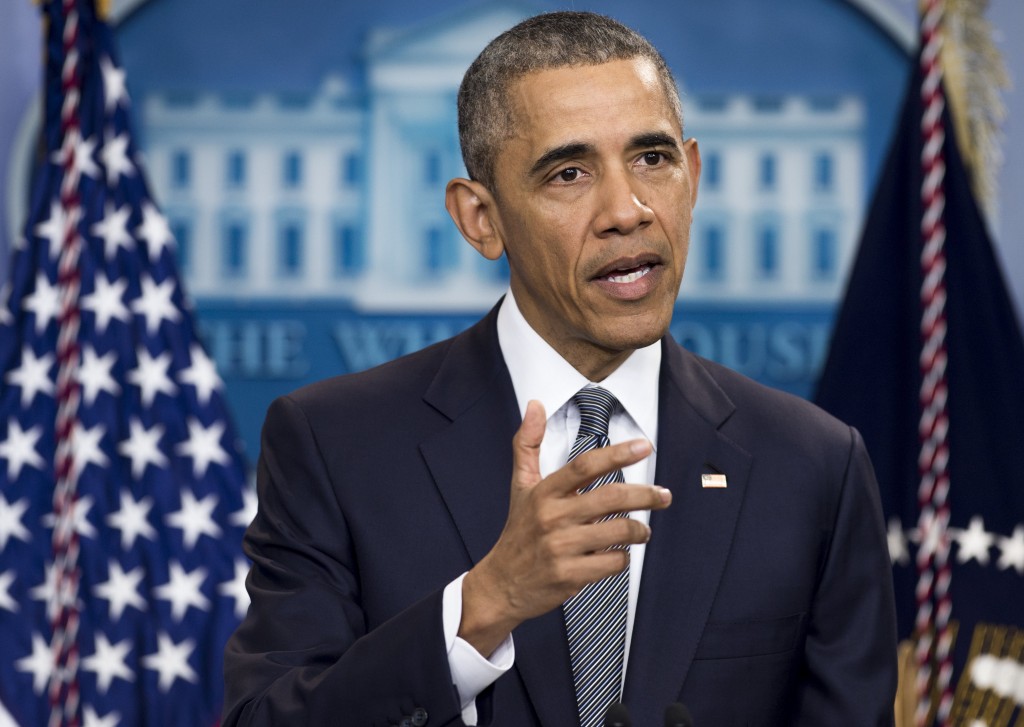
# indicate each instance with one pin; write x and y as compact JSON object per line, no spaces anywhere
{"x":780,"y":197}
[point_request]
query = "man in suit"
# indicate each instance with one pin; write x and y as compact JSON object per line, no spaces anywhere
{"x":421,"y":538}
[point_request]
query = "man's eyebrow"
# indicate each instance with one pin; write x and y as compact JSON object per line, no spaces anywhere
{"x":579,"y":148}
{"x":653,"y":138}
{"x":560,"y":153}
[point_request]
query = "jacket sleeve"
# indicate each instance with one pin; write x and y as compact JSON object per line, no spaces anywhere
{"x":850,"y":652}
{"x":304,"y":654}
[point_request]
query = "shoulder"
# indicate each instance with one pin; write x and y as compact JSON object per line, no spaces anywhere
{"x":429,"y":383}
{"x":402,"y":379}
{"x":349,"y":407}
{"x":765,"y":420}
{"x":768,"y":404}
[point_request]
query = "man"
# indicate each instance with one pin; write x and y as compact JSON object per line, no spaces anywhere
{"x":425,"y":554}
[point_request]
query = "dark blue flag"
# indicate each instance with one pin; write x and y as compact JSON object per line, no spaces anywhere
{"x":927,"y":361}
{"x":122,"y":490}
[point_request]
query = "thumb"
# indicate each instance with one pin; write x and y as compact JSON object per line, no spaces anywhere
{"x":526,"y":446}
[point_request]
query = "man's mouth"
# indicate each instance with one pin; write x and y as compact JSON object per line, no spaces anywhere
{"x":631,"y":278}
{"x":628,"y":275}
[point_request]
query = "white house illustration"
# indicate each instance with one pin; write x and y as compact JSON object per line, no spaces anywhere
{"x":338,"y":194}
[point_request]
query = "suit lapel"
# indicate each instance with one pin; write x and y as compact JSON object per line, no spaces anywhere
{"x":471,"y":462}
{"x":690,"y":540}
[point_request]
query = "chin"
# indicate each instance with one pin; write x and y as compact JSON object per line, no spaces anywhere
{"x":633,"y":336}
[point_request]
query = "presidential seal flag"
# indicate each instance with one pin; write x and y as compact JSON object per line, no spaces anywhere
{"x":122,"y":490}
{"x":927,"y":360}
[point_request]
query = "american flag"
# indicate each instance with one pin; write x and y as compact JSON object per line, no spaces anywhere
{"x":122,"y":489}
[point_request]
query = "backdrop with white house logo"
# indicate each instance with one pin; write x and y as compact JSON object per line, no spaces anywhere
{"x":300,"y":153}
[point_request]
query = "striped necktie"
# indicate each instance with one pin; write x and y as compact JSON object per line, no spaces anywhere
{"x":595,"y":619}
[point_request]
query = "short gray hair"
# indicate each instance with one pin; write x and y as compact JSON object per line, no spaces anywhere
{"x":550,"y":40}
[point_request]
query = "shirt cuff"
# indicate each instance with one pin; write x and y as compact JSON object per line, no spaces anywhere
{"x":471,"y":672}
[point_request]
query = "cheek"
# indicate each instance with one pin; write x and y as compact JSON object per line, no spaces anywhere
{"x":552,"y":245}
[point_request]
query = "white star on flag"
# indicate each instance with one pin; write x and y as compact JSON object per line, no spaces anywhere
{"x":53,"y":229}
{"x":94,"y":374}
{"x":974,"y":542}
{"x":1012,"y":551}
{"x":121,"y":589}
{"x":132,"y":519}
{"x":10,"y":521}
{"x":143,"y":447}
{"x":195,"y":518}
{"x":44,"y":302}
{"x":183,"y":590}
{"x":245,"y":515}
{"x":171,"y":661}
{"x":91,"y":719}
{"x":106,"y":301}
{"x":108,"y":662}
{"x":85,"y":447}
{"x":115,"y":158}
{"x":47,"y":591}
{"x":235,"y":588}
{"x":115,"y":91}
{"x":155,"y":304}
{"x":113,"y":229}
{"x":203,"y":446}
{"x":80,"y":508}
{"x":19,"y":449}
{"x":155,"y":231}
{"x":80,"y":150}
{"x":39,"y":663}
{"x":7,"y":603}
{"x":898,"y":552}
{"x":33,"y":376}
{"x":202,"y":374}
{"x":151,"y":376}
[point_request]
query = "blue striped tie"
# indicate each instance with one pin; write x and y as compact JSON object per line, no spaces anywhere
{"x":595,"y":618}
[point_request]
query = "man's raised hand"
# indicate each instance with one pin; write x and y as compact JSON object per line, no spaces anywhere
{"x":554,"y":541}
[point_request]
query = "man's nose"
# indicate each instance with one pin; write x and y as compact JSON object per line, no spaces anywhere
{"x":622,"y":207}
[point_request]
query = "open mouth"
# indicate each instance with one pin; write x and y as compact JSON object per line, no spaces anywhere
{"x":628,"y":275}
{"x":631,"y":278}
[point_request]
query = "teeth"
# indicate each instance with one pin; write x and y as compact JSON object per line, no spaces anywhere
{"x":630,"y":277}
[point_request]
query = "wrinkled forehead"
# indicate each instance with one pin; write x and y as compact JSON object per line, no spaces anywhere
{"x":590,"y":101}
{"x":529,"y":94}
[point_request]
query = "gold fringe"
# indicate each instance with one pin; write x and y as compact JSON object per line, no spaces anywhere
{"x":906,"y":691}
{"x":975,"y":77}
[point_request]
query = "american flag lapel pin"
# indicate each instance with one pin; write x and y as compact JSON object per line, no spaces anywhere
{"x":713,"y":481}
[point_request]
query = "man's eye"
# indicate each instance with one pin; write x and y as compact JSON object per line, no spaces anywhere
{"x":653,"y":158}
{"x":571,"y":174}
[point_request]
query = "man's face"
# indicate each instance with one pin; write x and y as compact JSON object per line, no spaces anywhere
{"x":593,"y":200}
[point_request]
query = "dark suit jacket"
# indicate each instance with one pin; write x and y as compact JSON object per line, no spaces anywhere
{"x":768,"y":602}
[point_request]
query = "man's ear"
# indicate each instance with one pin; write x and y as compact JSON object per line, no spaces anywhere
{"x":692,"y":153}
{"x":474,"y":212}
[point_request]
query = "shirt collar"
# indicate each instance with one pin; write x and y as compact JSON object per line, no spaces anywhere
{"x":539,"y":372}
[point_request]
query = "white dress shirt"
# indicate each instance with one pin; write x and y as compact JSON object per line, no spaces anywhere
{"x":539,"y":372}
